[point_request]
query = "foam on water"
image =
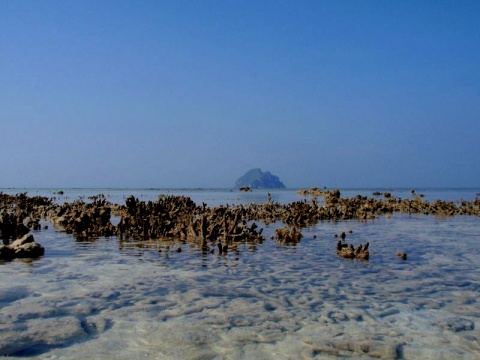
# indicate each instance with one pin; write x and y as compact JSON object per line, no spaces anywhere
{"x":118,"y":299}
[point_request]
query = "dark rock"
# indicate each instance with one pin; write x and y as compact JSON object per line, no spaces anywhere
{"x":30,"y":250}
{"x":26,"y":247}
{"x":341,"y":245}
{"x":456,"y":324}
{"x":6,"y":253}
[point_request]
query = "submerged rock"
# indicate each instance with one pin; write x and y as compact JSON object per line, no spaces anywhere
{"x":6,"y":253}
{"x":21,"y":337}
{"x":456,"y":324}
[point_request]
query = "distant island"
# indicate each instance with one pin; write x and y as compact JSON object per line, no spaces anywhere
{"x":257,"y":179}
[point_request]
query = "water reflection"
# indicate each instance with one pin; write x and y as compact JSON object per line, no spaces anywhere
{"x":174,"y":250}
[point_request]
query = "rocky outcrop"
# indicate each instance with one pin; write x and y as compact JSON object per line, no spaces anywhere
{"x":26,"y":247}
{"x":19,"y":213}
{"x":257,"y":179}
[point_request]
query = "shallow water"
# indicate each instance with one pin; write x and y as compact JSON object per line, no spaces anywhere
{"x":215,"y":197}
{"x":123,"y":300}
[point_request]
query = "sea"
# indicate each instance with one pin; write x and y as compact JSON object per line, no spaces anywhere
{"x":108,"y":298}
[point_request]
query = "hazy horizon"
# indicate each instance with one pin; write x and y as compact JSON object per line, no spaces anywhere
{"x":193,"y":94}
{"x":288,"y":188}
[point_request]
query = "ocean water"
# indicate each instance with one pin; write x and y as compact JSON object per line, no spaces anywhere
{"x":112,"y":299}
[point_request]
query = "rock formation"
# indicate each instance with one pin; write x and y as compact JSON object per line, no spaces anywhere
{"x":25,"y":247}
{"x":257,"y":179}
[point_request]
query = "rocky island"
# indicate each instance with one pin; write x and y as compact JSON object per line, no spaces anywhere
{"x":257,"y":179}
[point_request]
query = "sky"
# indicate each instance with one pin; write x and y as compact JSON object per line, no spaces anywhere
{"x":196,"y":93}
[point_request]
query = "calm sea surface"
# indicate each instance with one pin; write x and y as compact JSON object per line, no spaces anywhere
{"x":112,"y":299}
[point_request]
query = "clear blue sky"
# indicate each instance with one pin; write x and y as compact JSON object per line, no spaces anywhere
{"x":195,"y":93}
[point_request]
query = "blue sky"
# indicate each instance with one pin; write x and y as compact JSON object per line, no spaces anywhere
{"x":195,"y":93}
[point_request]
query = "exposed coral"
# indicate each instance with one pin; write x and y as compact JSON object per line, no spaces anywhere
{"x":287,"y":235}
{"x":350,"y":252}
{"x":178,"y":217}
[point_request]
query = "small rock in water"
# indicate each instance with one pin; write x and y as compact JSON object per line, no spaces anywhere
{"x":25,"y":247}
{"x":456,"y":324}
{"x":350,"y":252}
